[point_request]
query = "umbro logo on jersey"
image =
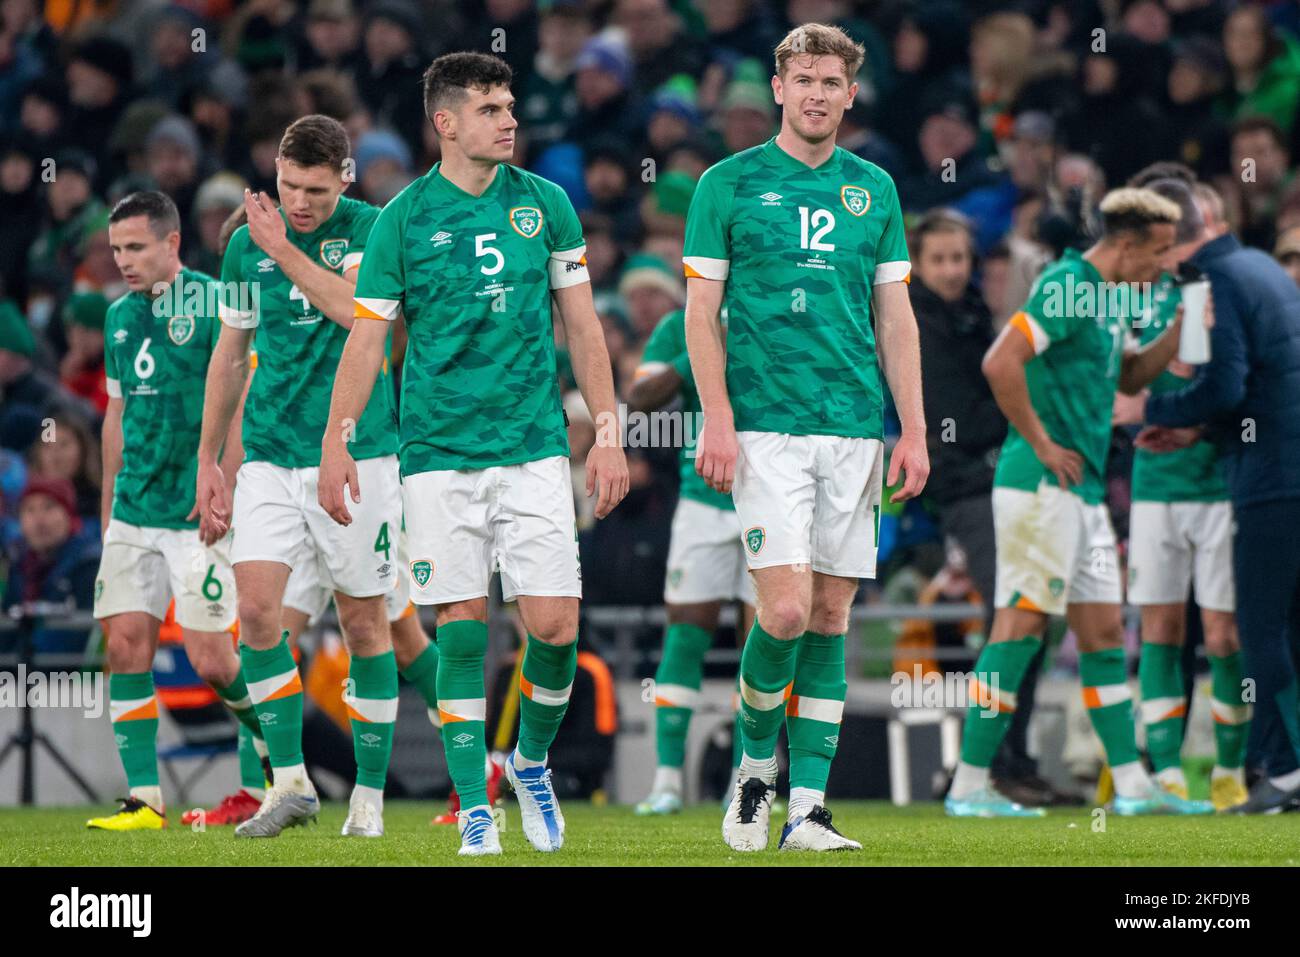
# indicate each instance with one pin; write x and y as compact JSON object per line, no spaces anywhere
{"x":771,"y":199}
{"x":266,"y":265}
{"x":440,"y":238}
{"x":119,"y":336}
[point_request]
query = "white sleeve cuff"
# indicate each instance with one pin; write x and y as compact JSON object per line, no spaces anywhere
{"x":897,"y":271}
{"x":113,"y":387}
{"x":568,"y":267}
{"x":351,"y":261}
{"x":367,"y":308}
{"x":702,"y":267}
{"x":237,"y":318}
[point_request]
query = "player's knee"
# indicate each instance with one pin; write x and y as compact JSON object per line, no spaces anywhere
{"x":216,"y":669}
{"x":257,"y":617}
{"x":828,"y":621}
{"x":1221,"y":635}
{"x":128,"y":650}
{"x":558,"y":629}
{"x":784,"y":618}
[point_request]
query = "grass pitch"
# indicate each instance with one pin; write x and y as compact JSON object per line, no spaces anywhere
{"x":613,"y":836}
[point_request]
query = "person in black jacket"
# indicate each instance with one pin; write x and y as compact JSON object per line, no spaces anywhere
{"x":1245,"y":398}
{"x":965,"y":431}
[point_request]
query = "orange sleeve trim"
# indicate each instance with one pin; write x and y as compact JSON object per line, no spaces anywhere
{"x":361,"y":312}
{"x":691,"y":273}
{"x":1021,"y":322}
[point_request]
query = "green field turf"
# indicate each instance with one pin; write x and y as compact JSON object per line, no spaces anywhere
{"x":612,"y":836}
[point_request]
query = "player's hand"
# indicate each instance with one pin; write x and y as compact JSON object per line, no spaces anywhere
{"x":1065,"y":464}
{"x":1129,"y":409}
{"x":337,"y":469}
{"x":211,"y":503}
{"x":716,"y":454}
{"x":265,"y":224}
{"x":912,"y":459}
{"x":607,"y":477}
{"x":1160,"y":438}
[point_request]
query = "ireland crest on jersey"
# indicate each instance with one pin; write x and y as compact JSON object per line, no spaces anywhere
{"x":180,"y":328}
{"x":856,"y":199}
{"x":421,"y":572}
{"x":332,"y":252}
{"x":754,"y":539}
{"x":526,"y":221}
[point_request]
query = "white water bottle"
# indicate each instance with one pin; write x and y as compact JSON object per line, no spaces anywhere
{"x":1194,"y":340}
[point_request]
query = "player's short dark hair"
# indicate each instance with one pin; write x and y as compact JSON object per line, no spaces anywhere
{"x":316,"y":140}
{"x":158,"y":207}
{"x":449,"y":78}
{"x":1163,"y":169}
{"x":1190,"y":224}
{"x":1135,"y":211}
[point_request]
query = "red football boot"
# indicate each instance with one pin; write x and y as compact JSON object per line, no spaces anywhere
{"x":234,"y":809}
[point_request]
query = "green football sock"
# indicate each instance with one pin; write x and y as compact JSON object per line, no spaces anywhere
{"x":134,"y":712}
{"x":815,"y":708}
{"x":423,"y":673}
{"x":251,"y":777}
{"x":1231,"y":714}
{"x":545,"y":683}
{"x":766,"y":669}
{"x":276,"y":690}
{"x":235,"y":695}
{"x":677,"y":690}
{"x":1160,"y":679}
{"x":371,"y":699}
{"x":1110,"y":703}
{"x":737,"y":724}
{"x":1000,"y":669}
{"x":462,"y":704}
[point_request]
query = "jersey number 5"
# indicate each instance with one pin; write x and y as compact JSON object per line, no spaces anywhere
{"x":481,"y":249}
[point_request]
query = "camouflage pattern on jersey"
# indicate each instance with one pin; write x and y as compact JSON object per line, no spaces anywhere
{"x":298,"y":347}
{"x":473,"y":276}
{"x":1183,"y":475}
{"x":801,"y":250}
{"x":156,"y":354}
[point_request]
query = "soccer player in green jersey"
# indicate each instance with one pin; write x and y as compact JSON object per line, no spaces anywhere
{"x":158,"y":340}
{"x":1054,"y":371}
{"x":706,"y":565}
{"x":1180,"y":536}
{"x":804,"y":242}
{"x":288,"y":281}
{"x":472,"y":254}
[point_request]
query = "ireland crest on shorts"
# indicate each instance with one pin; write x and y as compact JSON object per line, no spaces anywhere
{"x":856,"y":199}
{"x":180,"y":328}
{"x":526,"y":221}
{"x":754,"y":539}
{"x":421,"y":572}
{"x":332,"y":252}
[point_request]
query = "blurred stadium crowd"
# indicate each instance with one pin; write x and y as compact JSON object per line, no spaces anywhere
{"x":1016,"y":115}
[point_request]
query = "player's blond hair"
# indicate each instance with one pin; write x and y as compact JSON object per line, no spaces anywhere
{"x":820,"y":39}
{"x":1132,"y":208}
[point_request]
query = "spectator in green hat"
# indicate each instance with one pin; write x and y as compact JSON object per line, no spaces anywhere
{"x":82,"y":369}
{"x":651,"y":289}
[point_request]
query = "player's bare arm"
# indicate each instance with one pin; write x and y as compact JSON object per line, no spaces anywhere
{"x":606,"y":464}
{"x":363,"y":355}
{"x":325,"y":289}
{"x":653,"y":389}
{"x":1004,"y":367}
{"x":900,"y":356}
{"x":715,"y":455}
{"x":111,"y":440}
{"x":226,"y":383}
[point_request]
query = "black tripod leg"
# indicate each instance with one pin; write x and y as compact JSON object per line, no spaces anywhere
{"x":66,"y":765}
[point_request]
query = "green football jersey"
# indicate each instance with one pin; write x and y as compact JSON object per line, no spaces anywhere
{"x":1078,"y":335}
{"x":298,"y":347}
{"x":800,"y":250}
{"x":473,"y":276}
{"x":667,"y":347}
{"x":156,"y":354}
{"x":1184,"y":475}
